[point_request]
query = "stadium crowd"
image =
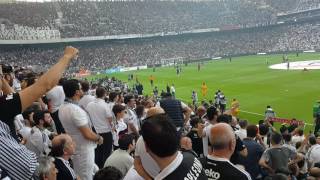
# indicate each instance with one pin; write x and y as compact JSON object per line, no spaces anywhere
{"x":82,"y":19}
{"x":70,"y":129}
{"x":100,"y":56}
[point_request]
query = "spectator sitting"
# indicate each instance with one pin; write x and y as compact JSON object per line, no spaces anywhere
{"x":46,"y":169}
{"x":121,"y":158}
{"x":63,"y":147}
{"x":39,"y":141}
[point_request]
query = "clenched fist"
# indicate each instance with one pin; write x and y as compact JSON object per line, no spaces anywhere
{"x":71,"y":52}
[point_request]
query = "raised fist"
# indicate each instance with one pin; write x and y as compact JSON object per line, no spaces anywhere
{"x":71,"y":52}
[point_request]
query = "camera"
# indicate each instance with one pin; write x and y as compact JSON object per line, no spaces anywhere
{"x":7,"y":69}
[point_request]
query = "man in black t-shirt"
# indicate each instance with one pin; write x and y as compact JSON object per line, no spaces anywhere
{"x":217,"y":164}
{"x":158,"y":131}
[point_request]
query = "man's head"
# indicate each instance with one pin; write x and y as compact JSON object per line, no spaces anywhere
{"x":127,"y":142}
{"x":46,"y":169}
{"x":223,"y":140}
{"x":195,"y":121}
{"x":109,"y":172}
{"x":276,"y":138}
{"x":243,"y":124}
{"x":160,"y":136}
{"x":252,"y":131}
{"x":312,"y":140}
{"x":130,"y":101}
{"x":154,"y":110}
{"x":113,"y":97}
{"x":72,"y":89}
{"x":118,"y":110}
{"x":186,"y":143}
{"x":42,"y":118}
{"x":85,"y":86}
{"x":224,"y":118}
{"x":63,"y":146}
{"x":287,"y":137}
{"x":201,"y":111}
{"x":101,"y":92}
{"x":212,"y":113}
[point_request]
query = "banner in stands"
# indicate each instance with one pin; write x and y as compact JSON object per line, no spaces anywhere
{"x":113,"y":70}
{"x":287,"y":121}
{"x":83,"y":73}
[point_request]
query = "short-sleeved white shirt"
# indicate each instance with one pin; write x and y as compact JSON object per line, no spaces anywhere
{"x":131,"y":118}
{"x":99,"y":113}
{"x":73,"y":117}
{"x":149,"y":165}
{"x":313,"y":154}
{"x":85,"y":100}
{"x":56,"y":96}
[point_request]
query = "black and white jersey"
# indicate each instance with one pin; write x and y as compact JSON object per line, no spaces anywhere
{"x":222,"y":169}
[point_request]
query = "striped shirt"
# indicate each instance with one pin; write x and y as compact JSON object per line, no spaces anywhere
{"x":15,"y":159}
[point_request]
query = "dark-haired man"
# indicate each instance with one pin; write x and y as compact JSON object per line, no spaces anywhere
{"x":158,"y":132}
{"x":101,"y":117}
{"x":77,"y":124}
{"x":39,"y":141}
{"x":276,"y":158}
{"x":121,"y":158}
{"x":131,"y":117}
{"x":86,"y":98}
{"x":255,"y":151}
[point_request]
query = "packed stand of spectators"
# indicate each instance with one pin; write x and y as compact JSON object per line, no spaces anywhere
{"x":114,"y":18}
{"x":72,"y":129}
{"x":305,"y":5}
{"x":28,"y":14}
{"x":100,"y":56}
{"x":82,"y":19}
{"x":27,"y":33}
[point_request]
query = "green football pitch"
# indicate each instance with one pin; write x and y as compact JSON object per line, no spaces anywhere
{"x":291,"y":94}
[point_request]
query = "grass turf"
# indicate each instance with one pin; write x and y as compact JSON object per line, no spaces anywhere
{"x":291,"y":94}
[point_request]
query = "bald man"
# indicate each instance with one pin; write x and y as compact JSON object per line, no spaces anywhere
{"x":63,"y":147}
{"x":186,"y":146}
{"x":154,"y":110}
{"x":217,"y":164}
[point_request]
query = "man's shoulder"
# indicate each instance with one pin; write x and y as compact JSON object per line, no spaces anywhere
{"x":190,"y":167}
{"x":222,"y":168}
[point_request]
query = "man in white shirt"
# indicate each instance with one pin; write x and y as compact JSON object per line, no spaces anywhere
{"x":242,"y":132}
{"x":131,"y":117}
{"x":298,"y":136}
{"x":39,"y":141}
{"x":313,"y":154}
{"x":56,"y":98}
{"x":77,"y":124}
{"x":101,"y":117}
{"x":86,"y":98}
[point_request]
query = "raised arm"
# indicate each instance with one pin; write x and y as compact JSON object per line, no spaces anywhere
{"x":48,"y":80}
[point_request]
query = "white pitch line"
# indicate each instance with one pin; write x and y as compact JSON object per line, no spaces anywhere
{"x":251,"y":113}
